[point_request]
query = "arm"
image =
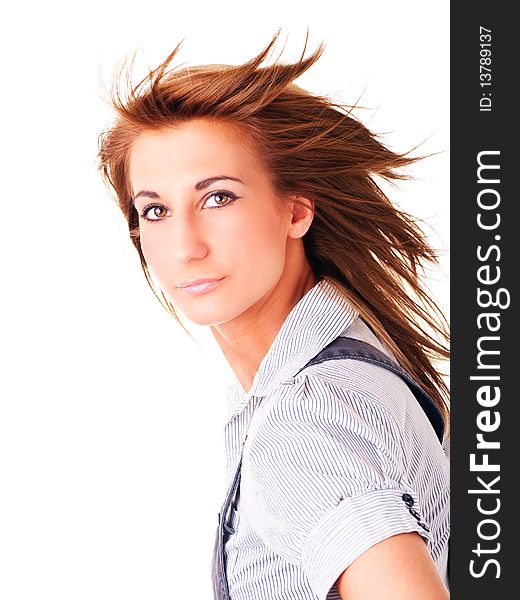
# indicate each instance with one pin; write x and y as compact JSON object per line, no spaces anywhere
{"x":397,"y":568}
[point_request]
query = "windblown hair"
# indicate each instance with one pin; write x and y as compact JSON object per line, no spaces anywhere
{"x":316,"y":148}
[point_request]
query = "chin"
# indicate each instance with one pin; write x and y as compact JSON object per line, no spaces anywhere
{"x":206,"y":320}
{"x":216,"y":309}
{"x":213,"y":313}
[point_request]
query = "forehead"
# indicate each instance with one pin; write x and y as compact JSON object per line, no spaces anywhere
{"x":196,"y":148}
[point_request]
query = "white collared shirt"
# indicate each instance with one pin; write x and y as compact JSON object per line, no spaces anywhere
{"x":329,"y":455}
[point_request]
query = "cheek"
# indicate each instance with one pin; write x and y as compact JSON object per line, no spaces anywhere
{"x":261,"y":242}
{"x":154,"y":254}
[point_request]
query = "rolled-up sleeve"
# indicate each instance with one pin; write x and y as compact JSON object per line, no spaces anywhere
{"x":328,"y":473}
{"x":345,"y":532}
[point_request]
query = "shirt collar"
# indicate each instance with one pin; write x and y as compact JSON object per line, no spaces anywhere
{"x":319,"y":317}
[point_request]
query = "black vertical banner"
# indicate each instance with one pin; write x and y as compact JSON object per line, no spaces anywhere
{"x":485,"y":438}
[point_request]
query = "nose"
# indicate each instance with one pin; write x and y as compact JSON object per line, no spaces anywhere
{"x":187,"y":240}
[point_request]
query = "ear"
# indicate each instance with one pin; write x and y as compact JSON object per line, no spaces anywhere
{"x":302,"y":214}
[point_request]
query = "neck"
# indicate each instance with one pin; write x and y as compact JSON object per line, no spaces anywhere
{"x":246,"y":339}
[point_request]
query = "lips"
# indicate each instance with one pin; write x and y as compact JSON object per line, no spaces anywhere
{"x":195,"y":282}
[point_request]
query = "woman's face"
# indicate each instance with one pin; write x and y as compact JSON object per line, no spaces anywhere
{"x":208,"y":211}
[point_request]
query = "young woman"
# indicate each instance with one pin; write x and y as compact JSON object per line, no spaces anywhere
{"x":254,"y":209}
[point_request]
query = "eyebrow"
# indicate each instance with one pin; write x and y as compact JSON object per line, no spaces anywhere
{"x":201,"y":185}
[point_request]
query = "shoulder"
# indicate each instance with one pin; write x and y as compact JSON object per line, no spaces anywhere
{"x":367,"y":398}
{"x":354,"y":381}
{"x":339,"y":422}
{"x":358,"y":382}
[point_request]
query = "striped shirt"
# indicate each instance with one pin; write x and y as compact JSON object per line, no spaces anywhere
{"x":328,"y":455}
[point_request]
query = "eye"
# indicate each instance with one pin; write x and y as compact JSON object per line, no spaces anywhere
{"x":222,"y":199}
{"x":154,"y":212}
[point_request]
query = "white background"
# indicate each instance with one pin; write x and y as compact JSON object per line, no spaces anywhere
{"x":111,"y":450}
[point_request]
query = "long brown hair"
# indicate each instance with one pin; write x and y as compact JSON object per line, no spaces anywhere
{"x":316,"y":148}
